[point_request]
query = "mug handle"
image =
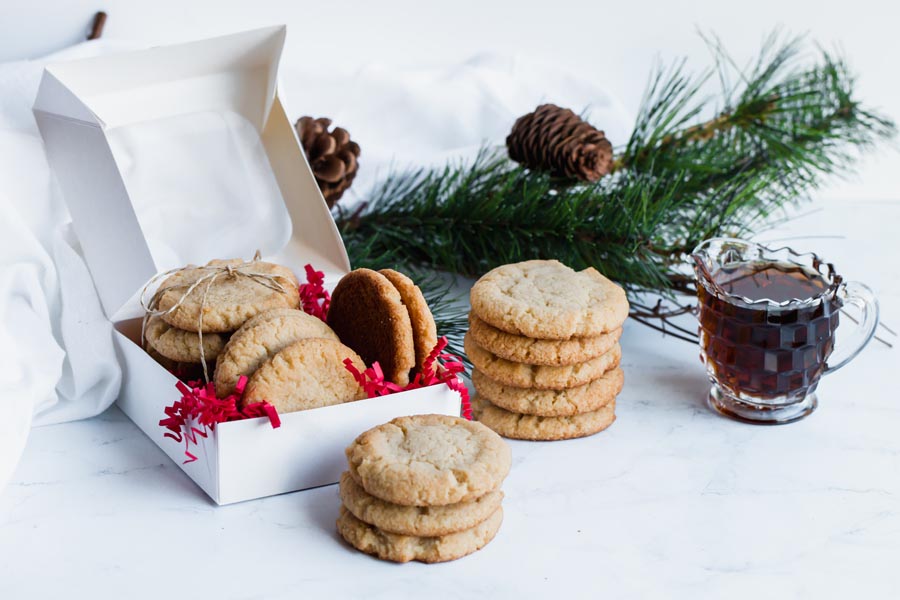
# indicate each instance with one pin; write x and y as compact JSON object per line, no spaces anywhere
{"x":859,"y":295}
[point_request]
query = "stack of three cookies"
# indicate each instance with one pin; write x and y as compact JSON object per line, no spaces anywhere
{"x":423,"y":488}
{"x":544,"y":342}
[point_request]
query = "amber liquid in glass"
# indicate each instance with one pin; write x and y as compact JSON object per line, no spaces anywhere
{"x":762,"y":350}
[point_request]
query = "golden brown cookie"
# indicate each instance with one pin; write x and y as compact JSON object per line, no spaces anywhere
{"x":429,"y":460}
{"x":367,"y":313}
{"x":404,"y":548}
{"x":545,"y":299}
{"x":180,"y":345}
{"x":229,"y":299}
{"x":427,"y":521}
{"x":541,"y":377}
{"x":260,"y":338}
{"x":307,"y":374}
{"x":424,"y":328}
{"x":532,"y":351}
{"x":533,"y":427}
{"x":551,"y":403}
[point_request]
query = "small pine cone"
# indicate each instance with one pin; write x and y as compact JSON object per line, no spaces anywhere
{"x":557,"y":140}
{"x":331,"y":154}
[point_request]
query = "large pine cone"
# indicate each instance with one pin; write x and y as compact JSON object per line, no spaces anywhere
{"x":557,"y":140}
{"x":331,"y":154}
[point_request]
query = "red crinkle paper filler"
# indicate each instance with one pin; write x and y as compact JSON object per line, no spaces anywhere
{"x":199,"y":410}
{"x":314,"y":298}
{"x":439,"y":367}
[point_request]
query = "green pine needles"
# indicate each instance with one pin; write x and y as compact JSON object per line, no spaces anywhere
{"x":777,"y":130}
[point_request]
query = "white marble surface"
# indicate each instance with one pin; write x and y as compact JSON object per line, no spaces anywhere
{"x":671,"y":502}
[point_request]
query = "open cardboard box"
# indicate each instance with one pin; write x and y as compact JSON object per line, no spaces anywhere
{"x":182,"y":154}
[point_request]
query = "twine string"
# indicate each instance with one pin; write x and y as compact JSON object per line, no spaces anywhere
{"x":210,"y":274}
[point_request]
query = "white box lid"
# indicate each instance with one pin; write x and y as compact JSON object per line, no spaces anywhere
{"x":144,"y":144}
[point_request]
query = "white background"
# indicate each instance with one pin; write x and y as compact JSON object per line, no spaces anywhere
{"x":612,"y":44}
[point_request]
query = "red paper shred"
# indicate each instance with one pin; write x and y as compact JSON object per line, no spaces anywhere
{"x":439,"y":367}
{"x":199,"y":410}
{"x":314,"y":298}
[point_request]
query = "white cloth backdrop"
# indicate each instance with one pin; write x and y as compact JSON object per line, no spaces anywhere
{"x":57,"y":361}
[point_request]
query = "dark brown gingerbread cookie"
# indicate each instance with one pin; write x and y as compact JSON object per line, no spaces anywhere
{"x":368,"y":315}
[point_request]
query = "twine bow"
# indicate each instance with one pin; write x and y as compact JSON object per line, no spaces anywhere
{"x":211,"y":273}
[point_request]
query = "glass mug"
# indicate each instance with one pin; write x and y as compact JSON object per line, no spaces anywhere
{"x":768,"y":319}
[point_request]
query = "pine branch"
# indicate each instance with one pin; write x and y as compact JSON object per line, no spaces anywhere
{"x":680,"y":179}
{"x":468,"y":220}
{"x":779,"y":118}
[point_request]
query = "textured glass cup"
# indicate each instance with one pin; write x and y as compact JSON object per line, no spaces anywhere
{"x":765,"y":356}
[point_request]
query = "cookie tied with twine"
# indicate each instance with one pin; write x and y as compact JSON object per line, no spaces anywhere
{"x":219,"y":296}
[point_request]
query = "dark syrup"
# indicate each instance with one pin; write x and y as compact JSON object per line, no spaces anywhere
{"x":762,"y":350}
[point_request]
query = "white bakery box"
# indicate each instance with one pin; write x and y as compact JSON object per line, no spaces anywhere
{"x":182,"y":154}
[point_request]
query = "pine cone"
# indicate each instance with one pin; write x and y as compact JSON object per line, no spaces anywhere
{"x":557,"y":140}
{"x":331,"y":154}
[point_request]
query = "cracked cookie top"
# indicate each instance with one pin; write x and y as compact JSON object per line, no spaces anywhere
{"x":545,"y":299}
{"x":429,"y":460}
{"x":228,"y":299}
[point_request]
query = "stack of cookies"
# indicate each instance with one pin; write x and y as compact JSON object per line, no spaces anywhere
{"x":172,"y":332}
{"x":543,"y":339}
{"x":423,"y":488}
